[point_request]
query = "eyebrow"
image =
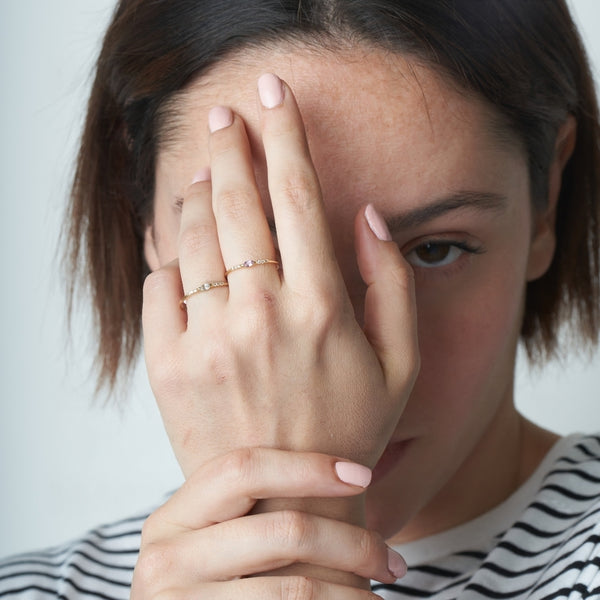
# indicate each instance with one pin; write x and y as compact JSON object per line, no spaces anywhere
{"x":478,"y":201}
{"x":463,"y":200}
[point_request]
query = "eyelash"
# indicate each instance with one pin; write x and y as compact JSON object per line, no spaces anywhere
{"x":452,"y":245}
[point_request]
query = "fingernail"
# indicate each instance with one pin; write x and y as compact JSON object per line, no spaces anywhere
{"x":219,"y":117}
{"x":353,"y":474}
{"x":396,"y":564}
{"x":270,"y":90}
{"x":377,"y":224}
{"x":202,"y":175}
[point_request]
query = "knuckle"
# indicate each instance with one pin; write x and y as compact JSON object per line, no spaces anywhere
{"x":194,"y":240}
{"x":154,"y":561}
{"x":220,"y":369}
{"x":404,"y":373}
{"x":233,"y":204}
{"x":322,"y":313}
{"x":292,"y":528}
{"x":298,"y":588}
{"x":150,"y":527}
{"x":212,"y":364}
{"x":223,"y":143}
{"x":317,"y":314}
{"x":260,"y":310}
{"x":265,"y":298}
{"x":238,"y":465}
{"x":301,"y":191}
{"x":156,"y":281}
{"x":402,"y":277}
{"x":165,"y":373}
{"x":369,"y":544}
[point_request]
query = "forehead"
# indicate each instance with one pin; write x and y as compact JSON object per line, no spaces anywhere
{"x":369,"y":116}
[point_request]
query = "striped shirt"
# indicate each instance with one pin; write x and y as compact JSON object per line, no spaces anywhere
{"x":543,"y":543}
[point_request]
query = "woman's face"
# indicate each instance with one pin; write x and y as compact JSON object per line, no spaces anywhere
{"x":455,"y":195}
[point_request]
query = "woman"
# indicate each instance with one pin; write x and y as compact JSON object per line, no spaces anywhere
{"x":442,"y":205}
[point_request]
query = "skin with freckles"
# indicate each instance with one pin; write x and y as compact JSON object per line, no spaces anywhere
{"x":456,"y":198}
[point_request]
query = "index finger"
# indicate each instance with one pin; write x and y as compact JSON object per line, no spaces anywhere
{"x":302,"y":229}
{"x":241,"y":477}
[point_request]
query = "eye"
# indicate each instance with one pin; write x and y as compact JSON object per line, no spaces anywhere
{"x":438,"y":254}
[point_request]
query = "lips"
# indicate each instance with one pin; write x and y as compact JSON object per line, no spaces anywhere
{"x":389,"y":459}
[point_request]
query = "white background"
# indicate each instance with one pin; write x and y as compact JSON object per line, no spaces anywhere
{"x":67,"y":462}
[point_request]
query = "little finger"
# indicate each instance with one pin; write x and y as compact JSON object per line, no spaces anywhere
{"x":162,"y":319}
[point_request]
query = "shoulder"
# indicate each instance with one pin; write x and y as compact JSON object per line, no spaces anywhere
{"x":557,"y":539}
{"x":98,"y":565}
{"x":573,"y":479}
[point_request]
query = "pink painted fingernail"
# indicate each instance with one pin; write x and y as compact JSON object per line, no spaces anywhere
{"x":270,"y":90}
{"x":353,"y":474}
{"x":202,"y":175}
{"x":396,"y":564}
{"x":219,"y":117}
{"x":377,"y":224}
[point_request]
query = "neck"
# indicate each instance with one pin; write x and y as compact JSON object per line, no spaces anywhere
{"x":504,"y":458}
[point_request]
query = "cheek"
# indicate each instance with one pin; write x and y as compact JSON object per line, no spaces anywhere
{"x":467,"y":342}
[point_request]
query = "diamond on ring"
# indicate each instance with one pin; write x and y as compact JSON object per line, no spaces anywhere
{"x":205,"y":287}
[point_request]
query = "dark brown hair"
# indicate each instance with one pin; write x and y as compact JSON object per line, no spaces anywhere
{"x":523,"y":56}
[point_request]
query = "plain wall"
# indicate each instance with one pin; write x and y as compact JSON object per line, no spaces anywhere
{"x":68,"y":463}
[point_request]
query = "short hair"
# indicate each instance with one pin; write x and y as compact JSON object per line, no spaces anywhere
{"x":525,"y":58}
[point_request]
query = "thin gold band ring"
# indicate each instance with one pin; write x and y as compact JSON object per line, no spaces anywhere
{"x":205,"y":287}
{"x":252,"y":263}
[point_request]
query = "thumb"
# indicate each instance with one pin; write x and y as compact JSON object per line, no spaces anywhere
{"x":390,"y":319}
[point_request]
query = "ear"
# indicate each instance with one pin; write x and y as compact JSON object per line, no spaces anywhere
{"x":150,"y":252}
{"x":543,"y":243}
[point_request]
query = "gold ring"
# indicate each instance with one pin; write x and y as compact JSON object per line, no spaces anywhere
{"x":205,"y":287}
{"x":252,"y":263}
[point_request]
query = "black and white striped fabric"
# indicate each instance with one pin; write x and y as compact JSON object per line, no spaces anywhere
{"x":543,"y":543}
{"x":99,"y":565}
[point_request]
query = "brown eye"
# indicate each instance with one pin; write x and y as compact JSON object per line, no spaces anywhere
{"x":432,"y":254}
{"x":438,"y":254}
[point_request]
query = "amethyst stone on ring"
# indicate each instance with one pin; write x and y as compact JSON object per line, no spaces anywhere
{"x":251,"y":263}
